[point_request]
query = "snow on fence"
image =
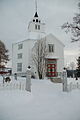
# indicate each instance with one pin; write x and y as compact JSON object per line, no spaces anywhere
{"x":71,"y":86}
{"x":12,"y":86}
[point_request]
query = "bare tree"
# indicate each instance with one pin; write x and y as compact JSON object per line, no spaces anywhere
{"x":38,"y":57}
{"x":3,"y":54}
{"x":74,"y":27}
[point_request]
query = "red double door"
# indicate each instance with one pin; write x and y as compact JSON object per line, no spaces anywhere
{"x":51,"y":69}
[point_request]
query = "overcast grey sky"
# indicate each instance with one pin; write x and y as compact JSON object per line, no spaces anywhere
{"x":16,"y":14}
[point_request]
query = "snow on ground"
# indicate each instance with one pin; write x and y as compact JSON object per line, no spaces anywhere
{"x":47,"y":101}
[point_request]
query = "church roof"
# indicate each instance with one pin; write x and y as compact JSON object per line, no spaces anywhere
{"x":55,"y":38}
{"x":51,"y":57}
{"x":36,"y":14}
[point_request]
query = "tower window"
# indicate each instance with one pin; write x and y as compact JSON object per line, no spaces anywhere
{"x":39,"y":21}
{"x":51,"y":47}
{"x":33,"y":20}
{"x":36,"y":20}
{"x":36,"y":27}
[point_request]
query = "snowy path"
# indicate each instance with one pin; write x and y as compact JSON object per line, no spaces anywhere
{"x":45,"y":102}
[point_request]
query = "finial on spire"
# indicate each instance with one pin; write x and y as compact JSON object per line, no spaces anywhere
{"x":36,"y":5}
{"x":36,"y":15}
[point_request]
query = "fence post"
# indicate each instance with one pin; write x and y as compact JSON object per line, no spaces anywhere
{"x":64,"y":81}
{"x":3,"y":79}
{"x":28,"y":79}
{"x":20,"y":86}
{"x":77,"y":85}
{"x":70,"y":86}
{"x":15,"y":76}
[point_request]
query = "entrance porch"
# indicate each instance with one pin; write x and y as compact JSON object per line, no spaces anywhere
{"x":51,"y":70}
{"x":51,"y":67}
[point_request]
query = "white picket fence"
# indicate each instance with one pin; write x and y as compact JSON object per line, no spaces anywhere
{"x":72,"y":86}
{"x":12,"y":86}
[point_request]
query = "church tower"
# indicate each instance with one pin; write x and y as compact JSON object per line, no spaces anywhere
{"x":36,"y":28}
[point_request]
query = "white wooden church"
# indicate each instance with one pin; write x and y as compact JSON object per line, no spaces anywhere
{"x":22,"y":51}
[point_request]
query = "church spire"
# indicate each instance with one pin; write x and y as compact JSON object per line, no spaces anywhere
{"x":36,"y":27}
{"x":36,"y":14}
{"x":36,"y":5}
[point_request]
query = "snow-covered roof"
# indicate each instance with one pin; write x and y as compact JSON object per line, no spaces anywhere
{"x":49,"y":35}
{"x":54,"y":38}
{"x":51,"y":57}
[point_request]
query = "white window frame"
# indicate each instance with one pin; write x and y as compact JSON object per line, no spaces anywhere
{"x":19,"y":56}
{"x":51,"y":47}
{"x":19,"y":67}
{"x":36,"y":26}
{"x":20,"y":46}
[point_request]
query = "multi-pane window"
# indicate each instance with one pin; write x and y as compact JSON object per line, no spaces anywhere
{"x":19,"y":56}
{"x":35,"y":26}
{"x":19,"y":67}
{"x":20,"y":46}
{"x":38,"y":27}
{"x":51,"y":47}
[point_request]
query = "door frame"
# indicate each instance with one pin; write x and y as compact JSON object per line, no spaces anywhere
{"x":52,"y":65}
